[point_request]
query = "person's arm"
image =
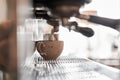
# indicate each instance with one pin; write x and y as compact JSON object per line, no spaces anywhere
{"x":5,"y":29}
{"x":113,"y":23}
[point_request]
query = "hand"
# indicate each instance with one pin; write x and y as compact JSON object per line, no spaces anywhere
{"x":83,"y":16}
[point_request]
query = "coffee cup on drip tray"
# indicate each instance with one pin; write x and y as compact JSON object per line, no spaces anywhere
{"x":50,"y":48}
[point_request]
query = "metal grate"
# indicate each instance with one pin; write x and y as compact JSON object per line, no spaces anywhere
{"x":62,"y":69}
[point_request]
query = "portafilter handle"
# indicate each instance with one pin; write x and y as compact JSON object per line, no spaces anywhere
{"x":86,"y":31}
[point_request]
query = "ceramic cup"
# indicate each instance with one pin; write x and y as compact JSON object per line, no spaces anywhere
{"x":50,"y":50}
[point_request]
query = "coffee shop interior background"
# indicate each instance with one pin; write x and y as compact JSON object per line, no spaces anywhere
{"x":103,"y":46}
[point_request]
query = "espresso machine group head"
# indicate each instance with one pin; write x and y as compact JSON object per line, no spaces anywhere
{"x":55,"y":11}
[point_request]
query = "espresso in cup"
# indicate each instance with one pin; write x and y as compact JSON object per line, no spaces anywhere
{"x":50,"y":50}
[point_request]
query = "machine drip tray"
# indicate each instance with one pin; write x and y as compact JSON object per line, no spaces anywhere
{"x":66,"y":68}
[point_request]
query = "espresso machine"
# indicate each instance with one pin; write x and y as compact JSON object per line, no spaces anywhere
{"x":58,"y":12}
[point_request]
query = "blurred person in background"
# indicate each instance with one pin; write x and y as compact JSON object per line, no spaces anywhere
{"x":6,"y":29}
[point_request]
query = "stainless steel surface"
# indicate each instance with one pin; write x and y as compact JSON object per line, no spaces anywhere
{"x":66,"y":68}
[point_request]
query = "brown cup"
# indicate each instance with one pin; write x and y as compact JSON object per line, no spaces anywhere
{"x":50,"y":50}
